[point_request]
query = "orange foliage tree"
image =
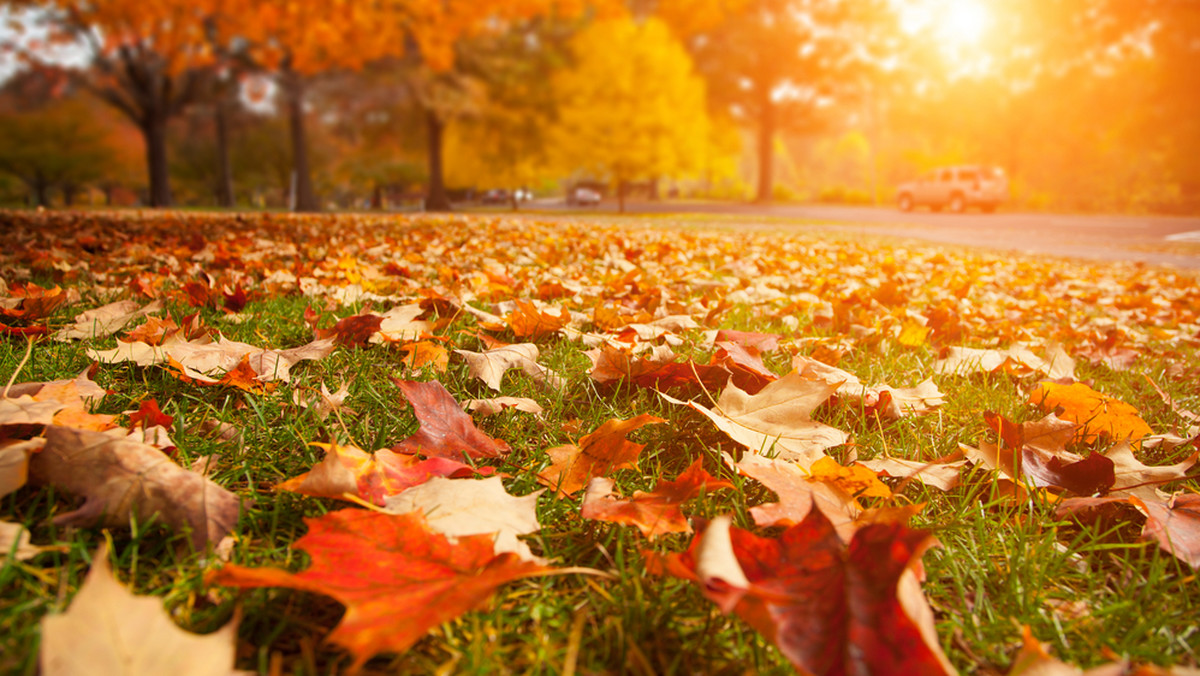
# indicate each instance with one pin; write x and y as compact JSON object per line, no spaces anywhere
{"x":149,"y":60}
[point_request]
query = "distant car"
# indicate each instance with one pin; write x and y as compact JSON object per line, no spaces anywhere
{"x":495,"y":196}
{"x":955,"y":189}
{"x":583,"y":197}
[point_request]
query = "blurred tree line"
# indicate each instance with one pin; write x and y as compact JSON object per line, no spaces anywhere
{"x":1088,"y":105}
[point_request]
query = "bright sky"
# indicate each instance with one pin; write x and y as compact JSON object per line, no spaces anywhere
{"x":962,"y":22}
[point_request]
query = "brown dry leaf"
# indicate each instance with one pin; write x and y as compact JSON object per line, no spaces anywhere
{"x":14,"y":541}
{"x":81,"y":387}
{"x":491,"y":365}
{"x":108,"y":630}
{"x":210,"y":362}
{"x":323,"y":402}
{"x":596,"y":454}
{"x":402,"y":324}
{"x":1134,"y":478}
{"x":896,"y":402}
{"x":106,"y":320}
{"x":942,"y":473}
{"x":1175,"y":525}
{"x":14,"y":462}
{"x":1098,"y":414}
{"x":798,"y":492}
{"x":24,"y":416}
{"x":777,"y":420}
{"x":458,"y":507}
{"x":486,"y":407}
{"x":121,"y":478}
{"x":1017,"y":360}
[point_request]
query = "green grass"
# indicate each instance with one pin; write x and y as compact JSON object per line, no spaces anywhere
{"x":1084,"y":590}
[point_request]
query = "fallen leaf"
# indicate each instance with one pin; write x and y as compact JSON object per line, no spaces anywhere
{"x":121,"y":479}
{"x":830,"y":608}
{"x":15,"y":543}
{"x":798,"y":494}
{"x":1131,"y":477}
{"x":108,"y":630}
{"x":106,"y":320}
{"x":745,"y":365}
{"x":655,"y":513}
{"x":942,"y":474}
{"x":424,"y":353}
{"x":323,"y":402}
{"x":14,"y":462}
{"x":527,"y":321}
{"x":486,"y":407}
{"x":777,"y":420}
{"x":1017,"y":360}
{"x":397,"y":578}
{"x":491,"y":365}
{"x":371,"y":476}
{"x":597,"y":454}
{"x":1097,"y":414}
{"x":212,"y":362}
{"x":353,"y":331}
{"x":457,"y":507}
{"x":1175,"y":525}
{"x":445,"y":431}
{"x":402,"y":324}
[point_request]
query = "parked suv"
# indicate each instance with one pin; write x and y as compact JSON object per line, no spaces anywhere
{"x":955,"y":188}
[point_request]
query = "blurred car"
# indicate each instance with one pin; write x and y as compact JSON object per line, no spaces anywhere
{"x":583,"y":197}
{"x":495,"y":196}
{"x":955,"y":189}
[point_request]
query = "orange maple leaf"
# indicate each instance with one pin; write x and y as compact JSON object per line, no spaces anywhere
{"x":531,"y":323}
{"x":657,"y":512}
{"x":597,"y":454}
{"x":1097,"y":413}
{"x":397,"y":578}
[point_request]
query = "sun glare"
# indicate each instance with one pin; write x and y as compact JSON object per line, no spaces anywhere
{"x":962,"y":22}
{"x":955,"y":23}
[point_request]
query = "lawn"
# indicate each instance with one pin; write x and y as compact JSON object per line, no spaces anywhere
{"x":1013,"y":436}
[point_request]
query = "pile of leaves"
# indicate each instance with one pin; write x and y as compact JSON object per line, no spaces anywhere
{"x":509,"y":443}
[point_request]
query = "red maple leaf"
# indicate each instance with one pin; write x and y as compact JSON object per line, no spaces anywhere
{"x":149,"y":415}
{"x":396,"y":577}
{"x":446,"y":431}
{"x":852,"y":610}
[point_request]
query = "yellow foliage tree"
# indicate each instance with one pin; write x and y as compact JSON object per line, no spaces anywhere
{"x":631,"y":108}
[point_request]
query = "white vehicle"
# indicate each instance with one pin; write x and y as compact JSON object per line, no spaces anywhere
{"x":583,"y":197}
{"x":955,"y":189}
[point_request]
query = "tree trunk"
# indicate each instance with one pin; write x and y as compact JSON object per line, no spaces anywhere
{"x":436,"y":200}
{"x":41,"y":192}
{"x":377,"y":197}
{"x":305,"y":196}
{"x":154,"y":131}
{"x":69,"y":191}
{"x":766,"y":148}
{"x":225,"y":196}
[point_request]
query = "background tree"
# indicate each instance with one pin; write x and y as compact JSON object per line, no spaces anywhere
{"x":631,"y":108}
{"x":776,"y":63}
{"x":148,"y":60}
{"x":51,"y":141}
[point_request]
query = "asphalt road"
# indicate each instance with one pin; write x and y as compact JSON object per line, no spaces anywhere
{"x":1154,"y":240}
